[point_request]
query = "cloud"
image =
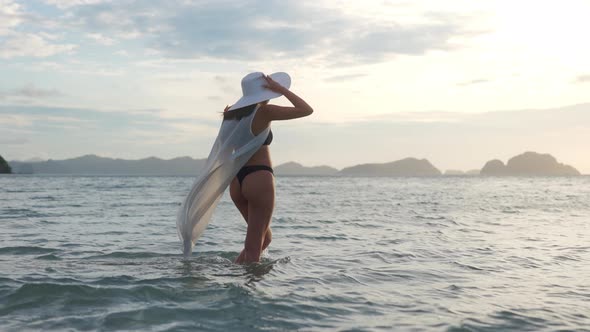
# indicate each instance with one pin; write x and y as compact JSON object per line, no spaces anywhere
{"x":10,"y":16}
{"x":473,"y":82}
{"x":31,"y":44}
{"x":101,"y":39}
{"x":224,"y":84}
{"x":31,"y":41}
{"x":30,"y":91}
{"x":36,"y":121}
{"x":378,"y":42}
{"x":14,"y":141}
{"x":264,"y":29}
{"x":418,"y":117}
{"x":527,"y":120}
{"x":341,"y":78}
{"x":14,"y":120}
{"x":289,"y":29}
{"x":118,"y":20}
{"x":122,"y":53}
{"x":582,"y":79}
{"x":95,"y":119}
{"x":73,"y":66}
{"x":72,"y":3}
{"x":221,"y":79}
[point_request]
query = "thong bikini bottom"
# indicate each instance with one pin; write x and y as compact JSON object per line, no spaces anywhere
{"x":244,"y":171}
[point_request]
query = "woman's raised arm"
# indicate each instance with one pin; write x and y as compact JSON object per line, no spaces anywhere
{"x":273,"y":112}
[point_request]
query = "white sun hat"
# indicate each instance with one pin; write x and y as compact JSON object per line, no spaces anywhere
{"x":253,"y":89}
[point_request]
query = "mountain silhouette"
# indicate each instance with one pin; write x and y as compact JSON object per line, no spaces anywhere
{"x":4,"y":167}
{"x":92,"y":164}
{"x":529,"y":163}
{"x":403,"y":167}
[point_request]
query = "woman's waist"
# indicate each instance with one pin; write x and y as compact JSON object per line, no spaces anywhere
{"x":261,"y":157}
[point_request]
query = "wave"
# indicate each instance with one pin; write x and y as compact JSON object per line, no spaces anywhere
{"x":44,"y":198}
{"x":27,"y":250}
{"x":505,"y":320}
{"x":132,"y":255}
{"x":10,"y":213}
{"x":49,"y":257}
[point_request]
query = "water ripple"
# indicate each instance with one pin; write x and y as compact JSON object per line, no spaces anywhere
{"x":348,"y":254}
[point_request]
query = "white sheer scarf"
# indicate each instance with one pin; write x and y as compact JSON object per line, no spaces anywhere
{"x":234,"y":146}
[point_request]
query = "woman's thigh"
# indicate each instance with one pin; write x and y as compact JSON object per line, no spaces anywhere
{"x":258,"y":189}
{"x":235,"y":192}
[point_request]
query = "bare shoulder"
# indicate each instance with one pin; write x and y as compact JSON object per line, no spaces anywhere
{"x":275,"y":112}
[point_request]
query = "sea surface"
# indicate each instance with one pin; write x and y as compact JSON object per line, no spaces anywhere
{"x":348,"y":254}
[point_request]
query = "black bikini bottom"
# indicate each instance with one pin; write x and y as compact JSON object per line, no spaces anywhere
{"x":251,"y":169}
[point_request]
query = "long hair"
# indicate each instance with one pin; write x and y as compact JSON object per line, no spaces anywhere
{"x":239,"y":113}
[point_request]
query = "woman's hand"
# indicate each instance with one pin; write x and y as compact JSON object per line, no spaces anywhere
{"x":272,"y":85}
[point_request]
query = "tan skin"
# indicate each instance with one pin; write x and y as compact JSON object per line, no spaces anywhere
{"x":256,"y":196}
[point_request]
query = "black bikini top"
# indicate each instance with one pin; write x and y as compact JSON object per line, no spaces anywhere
{"x":268,"y":138}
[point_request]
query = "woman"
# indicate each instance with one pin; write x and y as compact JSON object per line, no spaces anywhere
{"x":252,"y":190}
{"x":240,"y":159}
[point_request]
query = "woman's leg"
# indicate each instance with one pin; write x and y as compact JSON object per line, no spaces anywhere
{"x":241,"y":203}
{"x":258,"y":190}
{"x":239,"y":200}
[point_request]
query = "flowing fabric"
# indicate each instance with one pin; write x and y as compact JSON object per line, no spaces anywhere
{"x":234,"y":146}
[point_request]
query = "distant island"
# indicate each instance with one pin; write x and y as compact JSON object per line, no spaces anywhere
{"x":528,"y":164}
{"x":4,"y":167}
{"x":293,"y":168}
{"x":403,"y":167}
{"x":95,"y":165}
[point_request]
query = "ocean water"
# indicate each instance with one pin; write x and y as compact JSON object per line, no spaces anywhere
{"x":348,"y":254}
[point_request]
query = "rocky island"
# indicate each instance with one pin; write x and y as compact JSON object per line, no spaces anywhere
{"x":95,"y":165}
{"x":528,"y":164}
{"x":4,"y":167}
{"x":403,"y":167}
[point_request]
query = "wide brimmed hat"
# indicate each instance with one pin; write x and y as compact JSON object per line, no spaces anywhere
{"x":253,"y":89}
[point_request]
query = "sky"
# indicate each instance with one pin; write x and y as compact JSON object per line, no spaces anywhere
{"x":458,"y":82}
